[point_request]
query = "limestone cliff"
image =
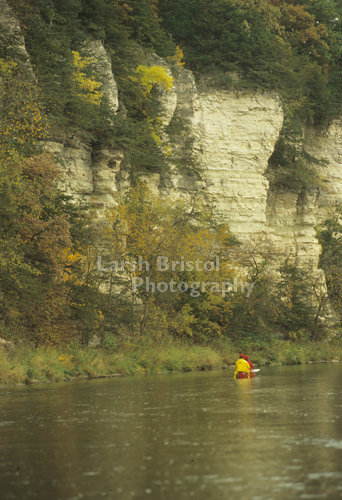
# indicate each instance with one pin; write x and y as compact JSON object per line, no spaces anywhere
{"x":11,"y":29}
{"x":235,"y":133}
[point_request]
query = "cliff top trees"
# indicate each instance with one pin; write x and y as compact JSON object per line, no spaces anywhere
{"x":291,"y":46}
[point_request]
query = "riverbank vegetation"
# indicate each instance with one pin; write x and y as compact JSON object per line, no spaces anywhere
{"x":148,"y":269}
{"x":25,"y":365}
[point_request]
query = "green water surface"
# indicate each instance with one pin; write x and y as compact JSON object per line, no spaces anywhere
{"x":199,"y":435}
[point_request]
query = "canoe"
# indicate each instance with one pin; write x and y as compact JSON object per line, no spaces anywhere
{"x":245,"y":375}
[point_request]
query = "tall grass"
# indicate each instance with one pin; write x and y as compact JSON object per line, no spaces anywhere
{"x":27,"y":365}
{"x":279,"y":352}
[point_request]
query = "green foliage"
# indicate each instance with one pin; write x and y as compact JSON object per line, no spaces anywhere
{"x":109,"y":342}
{"x":280,"y":45}
{"x":50,"y":31}
{"x":120,"y":23}
{"x":287,"y":300}
{"x":296,"y":307}
{"x":292,"y":47}
{"x":57,"y":35}
{"x":143,"y":226}
{"x":23,"y":123}
{"x":34,"y":232}
{"x":329,"y":235}
{"x":290,"y":165}
{"x":219,"y":34}
{"x":182,"y":143}
{"x":39,"y":225}
{"x":26,"y":365}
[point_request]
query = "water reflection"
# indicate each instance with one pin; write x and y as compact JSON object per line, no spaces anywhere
{"x":202,"y":435}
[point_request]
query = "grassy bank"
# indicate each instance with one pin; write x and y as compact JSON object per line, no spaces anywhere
{"x":27,"y":365}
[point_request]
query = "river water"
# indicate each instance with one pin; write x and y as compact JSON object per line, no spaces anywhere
{"x":197,"y":435}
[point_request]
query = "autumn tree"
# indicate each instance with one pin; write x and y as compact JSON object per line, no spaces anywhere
{"x":287,"y":300}
{"x":36,"y":233}
{"x":158,"y":248}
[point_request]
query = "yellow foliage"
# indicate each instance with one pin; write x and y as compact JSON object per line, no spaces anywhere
{"x":66,"y":359}
{"x":182,"y":323}
{"x":144,"y":226}
{"x":155,"y":128}
{"x":153,"y":75}
{"x":86,"y":86}
{"x":7,"y":67}
{"x":147,"y":77}
{"x":178,"y":56}
{"x":69,"y":258}
{"x":21,"y":119}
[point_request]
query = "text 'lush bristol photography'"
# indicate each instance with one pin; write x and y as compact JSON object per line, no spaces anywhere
{"x":163,"y":264}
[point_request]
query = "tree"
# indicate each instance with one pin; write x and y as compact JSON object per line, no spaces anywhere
{"x":255,"y":316}
{"x":290,"y":165}
{"x":158,"y":248}
{"x":329,"y":235}
{"x":36,"y":233}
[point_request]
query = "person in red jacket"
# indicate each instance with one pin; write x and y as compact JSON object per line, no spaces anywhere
{"x":249,"y":362}
{"x":251,"y":373}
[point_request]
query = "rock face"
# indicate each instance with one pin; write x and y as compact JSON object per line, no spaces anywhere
{"x":11,"y":32}
{"x":234,"y":133}
{"x":292,"y":216}
{"x":104,"y":67}
{"x":8,"y":19}
{"x":92,"y":174}
{"x":238,"y":134}
{"x":327,"y":145}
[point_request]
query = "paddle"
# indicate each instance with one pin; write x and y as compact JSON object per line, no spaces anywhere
{"x":256,"y":370}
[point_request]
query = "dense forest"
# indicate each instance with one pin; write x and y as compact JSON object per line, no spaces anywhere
{"x":51,"y":286}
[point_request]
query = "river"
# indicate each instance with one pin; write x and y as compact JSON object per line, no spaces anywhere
{"x":199,"y":435}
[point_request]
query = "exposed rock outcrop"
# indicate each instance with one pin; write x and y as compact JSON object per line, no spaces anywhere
{"x":239,"y":131}
{"x":235,"y":133}
{"x":326,"y":144}
{"x":11,"y":32}
{"x":104,"y":68}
